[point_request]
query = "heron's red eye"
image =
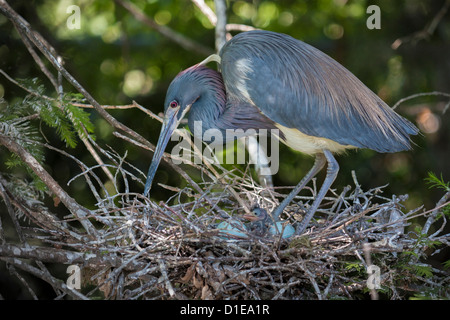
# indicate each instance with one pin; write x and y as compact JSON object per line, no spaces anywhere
{"x":173,"y":104}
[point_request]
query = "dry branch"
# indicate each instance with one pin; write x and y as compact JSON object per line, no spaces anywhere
{"x":178,"y":38}
{"x":76,"y":209}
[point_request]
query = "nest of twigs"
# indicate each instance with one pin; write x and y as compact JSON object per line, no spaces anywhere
{"x":173,"y":250}
{"x":360,"y":243}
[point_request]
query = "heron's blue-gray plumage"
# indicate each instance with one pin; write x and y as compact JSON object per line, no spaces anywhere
{"x":211,"y":107}
{"x":298,"y":86}
{"x":271,"y":80}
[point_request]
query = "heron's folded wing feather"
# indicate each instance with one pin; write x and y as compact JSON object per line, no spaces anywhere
{"x":300,"y":87}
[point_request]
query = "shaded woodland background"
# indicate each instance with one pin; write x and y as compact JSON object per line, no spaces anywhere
{"x":118,"y":59}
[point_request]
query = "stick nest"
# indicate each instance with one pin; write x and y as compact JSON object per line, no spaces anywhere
{"x":360,"y":243}
{"x":173,"y":250}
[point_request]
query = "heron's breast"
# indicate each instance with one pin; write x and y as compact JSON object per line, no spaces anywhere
{"x":299,"y":141}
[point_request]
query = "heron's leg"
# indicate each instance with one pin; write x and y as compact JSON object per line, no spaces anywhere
{"x":318,"y":165}
{"x":332,"y":171}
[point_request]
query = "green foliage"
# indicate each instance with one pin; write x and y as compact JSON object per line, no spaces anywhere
{"x":421,"y":270}
{"x":15,"y":125}
{"x":447,"y":264}
{"x":423,"y":240}
{"x":355,"y":266}
{"x":79,"y":118}
{"x":68,"y":120}
{"x":435,"y":182}
{"x":31,"y":193}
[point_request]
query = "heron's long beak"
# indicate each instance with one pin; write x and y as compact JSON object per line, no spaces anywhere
{"x":170,"y":123}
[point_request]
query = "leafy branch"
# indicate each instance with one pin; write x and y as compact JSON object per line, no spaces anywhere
{"x":436,"y":182}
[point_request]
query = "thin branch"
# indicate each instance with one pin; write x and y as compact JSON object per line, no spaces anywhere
{"x":209,"y":13}
{"x":239,"y":27}
{"x":43,"y":96}
{"x":74,"y":207}
{"x":221,"y":31}
{"x":439,"y":207}
{"x":178,"y":38}
{"x":426,"y":32}
{"x":422,"y":94}
{"x":206,"y":10}
{"x":11,"y":212}
{"x":45,"y":276}
{"x":61,"y":256}
{"x":49,"y":53}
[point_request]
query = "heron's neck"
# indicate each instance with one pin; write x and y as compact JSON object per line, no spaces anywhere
{"x":205,"y":114}
{"x":216,"y":118}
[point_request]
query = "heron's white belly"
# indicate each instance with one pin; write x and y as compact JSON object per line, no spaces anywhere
{"x":310,"y":144}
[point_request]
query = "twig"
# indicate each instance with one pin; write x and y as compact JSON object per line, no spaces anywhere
{"x":209,"y":13}
{"x":143,"y":250}
{"x":76,"y":209}
{"x":239,"y":27}
{"x":82,"y":137}
{"x":11,"y":212}
{"x":426,"y":32}
{"x":422,"y":94}
{"x":439,"y":206}
{"x":25,"y":88}
{"x":221,"y":14}
{"x":178,"y":38}
{"x":49,"y":53}
{"x":165,"y":277}
{"x":38,"y":60}
{"x":45,"y":276}
{"x":206,"y":10}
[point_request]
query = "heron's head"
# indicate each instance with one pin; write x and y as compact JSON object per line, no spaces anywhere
{"x":185,"y":90}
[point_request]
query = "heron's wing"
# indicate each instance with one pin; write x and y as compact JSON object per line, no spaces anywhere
{"x":300,"y":87}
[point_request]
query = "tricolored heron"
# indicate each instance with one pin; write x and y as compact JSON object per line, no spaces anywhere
{"x":270,"y":80}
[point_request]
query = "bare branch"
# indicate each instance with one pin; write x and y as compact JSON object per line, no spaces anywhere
{"x":439,"y":207}
{"x":206,"y":10}
{"x":175,"y":250}
{"x":54,"y":255}
{"x":221,"y":13}
{"x":45,"y":276}
{"x":209,"y":13}
{"x":239,"y":27}
{"x":178,"y":38}
{"x":426,"y":32}
{"x":422,"y":94}
{"x":49,"y":53}
{"x":76,"y":209}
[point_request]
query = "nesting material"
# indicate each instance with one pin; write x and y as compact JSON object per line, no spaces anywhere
{"x":194,"y":246}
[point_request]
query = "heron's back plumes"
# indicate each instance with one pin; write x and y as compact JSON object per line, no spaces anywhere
{"x":298,"y":86}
